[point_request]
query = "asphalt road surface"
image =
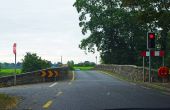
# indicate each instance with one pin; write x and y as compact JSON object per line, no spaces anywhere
{"x":91,"y":90}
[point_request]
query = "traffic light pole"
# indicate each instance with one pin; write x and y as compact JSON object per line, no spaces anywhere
{"x":149,"y":65}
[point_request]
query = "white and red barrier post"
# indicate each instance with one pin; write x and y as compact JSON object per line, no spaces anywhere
{"x":152,"y":54}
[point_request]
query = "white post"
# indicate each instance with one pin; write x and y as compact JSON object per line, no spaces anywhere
{"x":143,"y":69}
{"x":149,"y":65}
{"x":61,"y":60}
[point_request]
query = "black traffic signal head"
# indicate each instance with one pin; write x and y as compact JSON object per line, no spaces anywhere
{"x":151,"y":40}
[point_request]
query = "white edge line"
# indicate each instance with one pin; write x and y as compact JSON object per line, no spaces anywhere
{"x":144,"y":87}
{"x":53,"y":84}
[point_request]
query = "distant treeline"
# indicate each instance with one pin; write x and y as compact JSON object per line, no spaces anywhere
{"x":86,"y":63}
{"x":6,"y":65}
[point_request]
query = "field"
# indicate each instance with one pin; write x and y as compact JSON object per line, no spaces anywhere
{"x":83,"y":67}
{"x":6,"y":72}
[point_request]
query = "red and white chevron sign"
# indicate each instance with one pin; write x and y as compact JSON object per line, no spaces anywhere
{"x":153,"y":53}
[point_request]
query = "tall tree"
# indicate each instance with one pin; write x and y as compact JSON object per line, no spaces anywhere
{"x":154,"y":13}
{"x":113,"y":30}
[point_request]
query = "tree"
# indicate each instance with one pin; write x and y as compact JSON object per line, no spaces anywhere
{"x":0,"y":66}
{"x":167,"y":59}
{"x":32,"y":62}
{"x":154,"y":13}
{"x":113,"y":30}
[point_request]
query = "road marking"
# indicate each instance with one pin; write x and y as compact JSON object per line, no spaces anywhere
{"x":48,"y":104}
{"x":107,"y":73}
{"x":166,"y":93}
{"x":108,"y":93}
{"x":133,"y":84}
{"x":53,"y":84}
{"x":144,"y":87}
{"x":59,"y":93}
{"x":29,"y":108}
{"x":73,"y":78}
{"x":69,"y":83}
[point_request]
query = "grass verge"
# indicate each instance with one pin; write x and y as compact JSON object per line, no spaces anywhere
{"x":162,"y":87}
{"x":83,"y":67}
{"x":7,"y":102}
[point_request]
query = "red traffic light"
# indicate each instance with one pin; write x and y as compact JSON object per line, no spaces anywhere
{"x":151,"y":35}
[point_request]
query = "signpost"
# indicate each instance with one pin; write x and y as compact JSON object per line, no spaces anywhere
{"x":14,"y":51}
{"x":151,"y":37}
{"x":151,"y":54}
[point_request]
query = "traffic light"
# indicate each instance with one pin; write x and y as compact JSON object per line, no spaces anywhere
{"x":151,"y":40}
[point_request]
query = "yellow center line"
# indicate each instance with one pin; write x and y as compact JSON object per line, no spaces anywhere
{"x":48,"y":104}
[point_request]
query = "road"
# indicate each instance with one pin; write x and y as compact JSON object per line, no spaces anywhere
{"x":91,"y":90}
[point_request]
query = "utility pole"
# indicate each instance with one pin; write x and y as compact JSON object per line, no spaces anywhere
{"x":96,"y":60}
{"x":61,"y":60}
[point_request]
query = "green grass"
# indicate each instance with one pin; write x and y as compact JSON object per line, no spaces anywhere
{"x":7,"y":72}
{"x":83,"y":67}
{"x":7,"y":102}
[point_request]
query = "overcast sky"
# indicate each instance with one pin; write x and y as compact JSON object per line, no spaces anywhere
{"x":46,"y":27}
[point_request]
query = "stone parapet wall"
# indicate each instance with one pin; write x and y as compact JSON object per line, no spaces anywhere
{"x":36,"y":77}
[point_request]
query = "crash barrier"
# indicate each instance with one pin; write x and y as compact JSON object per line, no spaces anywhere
{"x":45,"y":75}
{"x":132,"y":72}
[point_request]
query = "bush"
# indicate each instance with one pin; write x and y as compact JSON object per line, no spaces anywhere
{"x":32,"y":62}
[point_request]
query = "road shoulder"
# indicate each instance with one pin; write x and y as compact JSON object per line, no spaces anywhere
{"x":8,"y":102}
{"x":153,"y":85}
